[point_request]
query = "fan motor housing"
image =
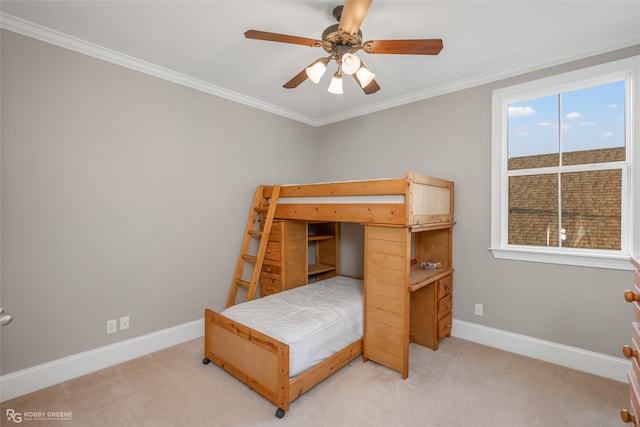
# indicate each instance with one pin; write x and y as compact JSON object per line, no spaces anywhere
{"x":332,"y":35}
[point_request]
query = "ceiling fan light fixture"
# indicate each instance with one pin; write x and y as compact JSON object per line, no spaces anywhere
{"x":336,"y":84}
{"x":316,"y":71}
{"x":364,"y":76}
{"x":350,"y":63}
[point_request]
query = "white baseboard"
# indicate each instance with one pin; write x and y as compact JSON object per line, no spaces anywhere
{"x":571,"y":357}
{"x":37,"y":377}
{"x":45,"y":375}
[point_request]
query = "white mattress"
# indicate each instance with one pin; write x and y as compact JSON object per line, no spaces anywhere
{"x":316,"y":320}
{"x":390,"y":198}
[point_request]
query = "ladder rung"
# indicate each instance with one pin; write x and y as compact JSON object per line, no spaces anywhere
{"x":251,"y":258}
{"x":263,"y":213}
{"x":243,"y":283}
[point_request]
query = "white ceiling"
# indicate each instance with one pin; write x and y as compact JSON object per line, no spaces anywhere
{"x":201,"y":44}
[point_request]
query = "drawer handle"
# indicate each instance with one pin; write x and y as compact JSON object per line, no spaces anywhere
{"x":268,"y":269}
{"x":629,"y":352}
{"x":627,"y":416}
{"x":447,"y":286}
{"x":631,"y":296}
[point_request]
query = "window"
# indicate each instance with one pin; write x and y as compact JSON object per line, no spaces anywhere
{"x":562,"y":168}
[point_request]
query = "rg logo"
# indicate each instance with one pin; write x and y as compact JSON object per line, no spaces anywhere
{"x":14,"y":416}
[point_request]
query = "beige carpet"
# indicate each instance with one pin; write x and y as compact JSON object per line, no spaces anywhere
{"x":462,"y":384}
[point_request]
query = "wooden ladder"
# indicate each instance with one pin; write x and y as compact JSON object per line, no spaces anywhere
{"x":262,"y":212}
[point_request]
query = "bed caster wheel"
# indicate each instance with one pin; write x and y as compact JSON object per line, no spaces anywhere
{"x":206,"y":361}
{"x":280,"y":413}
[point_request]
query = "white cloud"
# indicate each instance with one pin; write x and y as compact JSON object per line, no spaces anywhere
{"x":607,"y":134}
{"x":589,"y":123}
{"x":611,"y":106}
{"x":573,"y":116}
{"x":521,"y":111}
{"x":554,"y":125}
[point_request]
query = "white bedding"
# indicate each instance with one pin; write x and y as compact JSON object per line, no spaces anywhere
{"x":315,"y":320}
{"x":391,"y":198}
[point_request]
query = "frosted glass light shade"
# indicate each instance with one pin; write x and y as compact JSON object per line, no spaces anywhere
{"x":316,"y":71}
{"x":336,"y":84}
{"x":350,"y":63}
{"x":364,"y":77}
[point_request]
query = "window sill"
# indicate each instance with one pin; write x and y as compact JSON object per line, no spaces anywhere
{"x":579,"y":258}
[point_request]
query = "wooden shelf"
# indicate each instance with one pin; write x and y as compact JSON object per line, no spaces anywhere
{"x":320,"y":268}
{"x":316,"y":238}
{"x":322,"y":255}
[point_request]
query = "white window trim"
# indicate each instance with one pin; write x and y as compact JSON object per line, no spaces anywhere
{"x":628,"y":69}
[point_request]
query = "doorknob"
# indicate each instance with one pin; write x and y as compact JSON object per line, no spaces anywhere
{"x":5,"y":318}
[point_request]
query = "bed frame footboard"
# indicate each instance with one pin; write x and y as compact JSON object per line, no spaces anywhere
{"x":262,"y":363}
{"x":259,"y":361}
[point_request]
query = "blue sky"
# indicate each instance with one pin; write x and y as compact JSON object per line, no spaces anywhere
{"x":591,"y":118}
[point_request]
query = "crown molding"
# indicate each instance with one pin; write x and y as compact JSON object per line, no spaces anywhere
{"x":557,"y":58}
{"x":48,"y":35}
{"x":29,"y":29}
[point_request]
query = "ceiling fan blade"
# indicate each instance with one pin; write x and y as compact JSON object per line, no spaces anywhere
{"x":372,"y":87}
{"x":353,"y":14}
{"x":296,"y":80}
{"x":407,"y":47}
{"x":282,"y":38}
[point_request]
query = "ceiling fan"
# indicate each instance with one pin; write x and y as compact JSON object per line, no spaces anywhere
{"x":341,"y":41}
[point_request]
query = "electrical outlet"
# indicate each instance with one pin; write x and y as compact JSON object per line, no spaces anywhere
{"x":124,"y":323}
{"x":478,"y":309}
{"x":112,"y":326}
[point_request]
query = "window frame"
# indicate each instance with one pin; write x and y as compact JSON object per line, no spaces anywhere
{"x":625,"y":69}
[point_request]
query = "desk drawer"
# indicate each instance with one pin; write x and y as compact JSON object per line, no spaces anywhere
{"x":270,"y":270}
{"x":444,"y":306}
{"x":276,"y":228}
{"x":269,"y":286}
{"x":635,"y":335}
{"x":444,"y":326}
{"x":636,"y":289}
{"x":635,"y":392}
{"x":445,"y":286}
{"x":633,"y":296}
{"x":273,"y":251}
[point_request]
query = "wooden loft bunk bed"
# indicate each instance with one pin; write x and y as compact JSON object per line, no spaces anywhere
{"x":408,"y":223}
{"x":410,"y":201}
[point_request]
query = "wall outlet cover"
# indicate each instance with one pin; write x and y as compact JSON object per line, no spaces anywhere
{"x":124,"y":323}
{"x":112,"y":326}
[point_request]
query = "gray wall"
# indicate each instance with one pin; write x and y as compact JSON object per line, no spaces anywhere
{"x":123,"y":194}
{"x":450,"y":137}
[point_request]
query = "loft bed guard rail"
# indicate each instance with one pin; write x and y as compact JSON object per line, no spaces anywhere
{"x":410,"y":201}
